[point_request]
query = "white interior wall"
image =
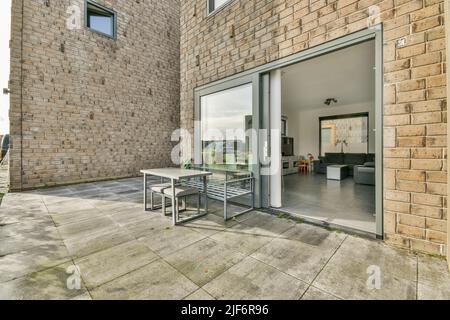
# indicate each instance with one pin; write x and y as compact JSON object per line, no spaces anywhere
{"x":304,"y":126}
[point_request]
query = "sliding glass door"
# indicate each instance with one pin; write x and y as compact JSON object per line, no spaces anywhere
{"x":226,"y":127}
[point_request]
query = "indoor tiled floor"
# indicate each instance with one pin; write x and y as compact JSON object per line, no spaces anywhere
{"x":341,"y":203}
{"x":123,"y":252}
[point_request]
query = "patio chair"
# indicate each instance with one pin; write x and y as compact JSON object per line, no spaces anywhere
{"x":181,"y":193}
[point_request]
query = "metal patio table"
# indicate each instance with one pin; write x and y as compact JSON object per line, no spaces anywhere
{"x":176,"y":174}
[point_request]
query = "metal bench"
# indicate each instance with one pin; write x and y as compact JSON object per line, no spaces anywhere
{"x":226,"y":190}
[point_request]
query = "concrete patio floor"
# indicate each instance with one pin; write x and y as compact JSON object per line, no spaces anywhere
{"x":123,"y":252}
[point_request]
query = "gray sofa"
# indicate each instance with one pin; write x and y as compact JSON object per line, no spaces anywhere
{"x":349,"y":159}
{"x":364,"y":174}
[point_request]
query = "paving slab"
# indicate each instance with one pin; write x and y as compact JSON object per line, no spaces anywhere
{"x":249,"y":215}
{"x":50,"y":199}
{"x":61,"y":219}
{"x":314,"y":236}
{"x":297,"y":258}
{"x":56,"y":191}
{"x":70,"y":205}
{"x":251,"y":279}
{"x":25,"y":214}
{"x":83,"y":297}
{"x":50,"y":284}
{"x":23,"y":241}
{"x":171,"y":239}
{"x":17,"y":206}
{"x":21,"y":199}
{"x":204,"y":260}
{"x":245,"y":243}
{"x":106,"y":265}
{"x":433,"y":279}
{"x":88,"y":226}
{"x":199,"y":295}
{"x":317,"y":294}
{"x":29,"y":228}
{"x":156,"y":281}
{"x":100,"y":199}
{"x":210,"y":224}
{"x":129,"y":215}
{"x":112,"y":205}
{"x":348,"y":273}
{"x":156,"y":222}
{"x":87,"y":244}
{"x":6,"y":220}
{"x":265,"y":225}
{"x":33,"y":259}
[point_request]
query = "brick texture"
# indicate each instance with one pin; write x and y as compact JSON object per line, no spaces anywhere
{"x":415,"y":105}
{"x":85,"y":107}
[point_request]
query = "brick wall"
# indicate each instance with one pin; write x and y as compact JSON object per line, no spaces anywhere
{"x":86,"y":107}
{"x":246,"y":34}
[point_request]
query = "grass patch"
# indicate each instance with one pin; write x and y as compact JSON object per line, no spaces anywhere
{"x":282,"y":216}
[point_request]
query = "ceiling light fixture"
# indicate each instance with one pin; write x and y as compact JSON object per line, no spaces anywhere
{"x":329,"y":101}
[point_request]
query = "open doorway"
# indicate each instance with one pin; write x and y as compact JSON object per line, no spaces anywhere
{"x":329,"y":138}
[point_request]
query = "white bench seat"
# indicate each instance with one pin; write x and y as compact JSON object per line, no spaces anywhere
{"x":159,"y":188}
{"x":181,"y":192}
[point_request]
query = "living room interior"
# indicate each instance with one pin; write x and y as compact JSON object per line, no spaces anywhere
{"x":329,"y":138}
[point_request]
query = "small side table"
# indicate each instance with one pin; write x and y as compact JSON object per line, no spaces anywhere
{"x":337,"y":172}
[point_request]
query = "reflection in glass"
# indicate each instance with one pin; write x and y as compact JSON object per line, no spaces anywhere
{"x":226,"y":118}
{"x":100,"y":20}
{"x":216,"y":4}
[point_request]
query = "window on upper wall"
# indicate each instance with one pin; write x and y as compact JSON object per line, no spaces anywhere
{"x":214,"y":5}
{"x":100,"y":19}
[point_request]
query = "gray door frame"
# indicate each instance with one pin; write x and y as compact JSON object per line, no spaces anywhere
{"x":256,"y":77}
{"x":221,"y":86}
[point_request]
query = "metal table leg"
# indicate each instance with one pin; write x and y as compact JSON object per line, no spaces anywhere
{"x":145,"y":192}
{"x":205,"y":191}
{"x":174,"y":203}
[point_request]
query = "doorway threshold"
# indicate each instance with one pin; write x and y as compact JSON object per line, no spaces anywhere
{"x":323,"y":223}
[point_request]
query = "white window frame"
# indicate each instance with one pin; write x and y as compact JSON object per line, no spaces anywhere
{"x":211,"y":12}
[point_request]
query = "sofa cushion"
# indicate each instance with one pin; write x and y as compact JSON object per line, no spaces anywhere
{"x":355,"y":158}
{"x":334,"y":158}
{"x":369,"y":164}
{"x":364,"y":175}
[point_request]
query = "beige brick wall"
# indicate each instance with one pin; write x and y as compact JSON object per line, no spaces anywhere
{"x":86,"y":107}
{"x":246,"y":34}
